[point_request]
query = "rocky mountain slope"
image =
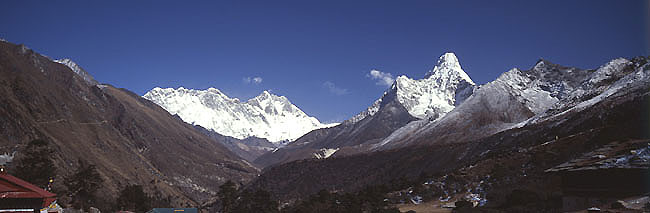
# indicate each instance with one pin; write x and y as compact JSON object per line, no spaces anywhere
{"x":517,"y":98}
{"x":266,"y":116}
{"x":130,"y":140}
{"x":578,"y":111}
{"x":77,"y":69}
{"x":407,"y":100}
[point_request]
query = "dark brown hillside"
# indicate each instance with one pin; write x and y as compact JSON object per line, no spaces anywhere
{"x":247,"y":148}
{"x":130,"y":139}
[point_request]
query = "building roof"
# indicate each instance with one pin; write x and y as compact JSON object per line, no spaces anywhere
{"x":616,"y":155}
{"x":13,"y":187}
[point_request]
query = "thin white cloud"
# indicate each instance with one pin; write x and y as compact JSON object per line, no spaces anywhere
{"x":334,"y":89}
{"x":257,"y":80}
{"x":253,"y":80}
{"x":382,"y":78}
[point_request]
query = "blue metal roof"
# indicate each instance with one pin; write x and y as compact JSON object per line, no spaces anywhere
{"x":173,"y":210}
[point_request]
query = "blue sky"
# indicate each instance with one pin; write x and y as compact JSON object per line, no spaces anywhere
{"x":319,"y":53}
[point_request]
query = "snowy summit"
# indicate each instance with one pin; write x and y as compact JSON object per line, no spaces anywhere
{"x":266,"y":116}
{"x":441,"y":89}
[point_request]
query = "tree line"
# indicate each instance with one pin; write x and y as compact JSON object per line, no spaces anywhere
{"x":236,"y":200}
{"x":79,"y":189}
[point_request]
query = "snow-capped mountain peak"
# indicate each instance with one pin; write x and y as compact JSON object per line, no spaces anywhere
{"x":264,"y":116}
{"x":544,"y":65}
{"x":442,"y":88}
{"x":212,"y":90}
{"x":78,"y":70}
{"x":448,"y":59}
{"x":271,"y":103}
{"x":448,"y":68}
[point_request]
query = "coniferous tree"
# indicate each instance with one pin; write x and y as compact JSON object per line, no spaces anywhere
{"x":83,"y":184}
{"x":133,"y":198}
{"x":228,"y":196}
{"x":258,"y":201}
{"x":35,"y":163}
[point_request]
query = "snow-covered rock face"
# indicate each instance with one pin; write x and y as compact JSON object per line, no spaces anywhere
{"x":518,"y":97}
{"x":608,"y":70}
{"x":77,"y":69}
{"x":540,"y":88}
{"x":599,"y":79}
{"x":597,"y":86}
{"x":325,"y":153}
{"x":372,"y":109}
{"x":442,"y":88}
{"x":551,"y":86}
{"x":265,"y":116}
